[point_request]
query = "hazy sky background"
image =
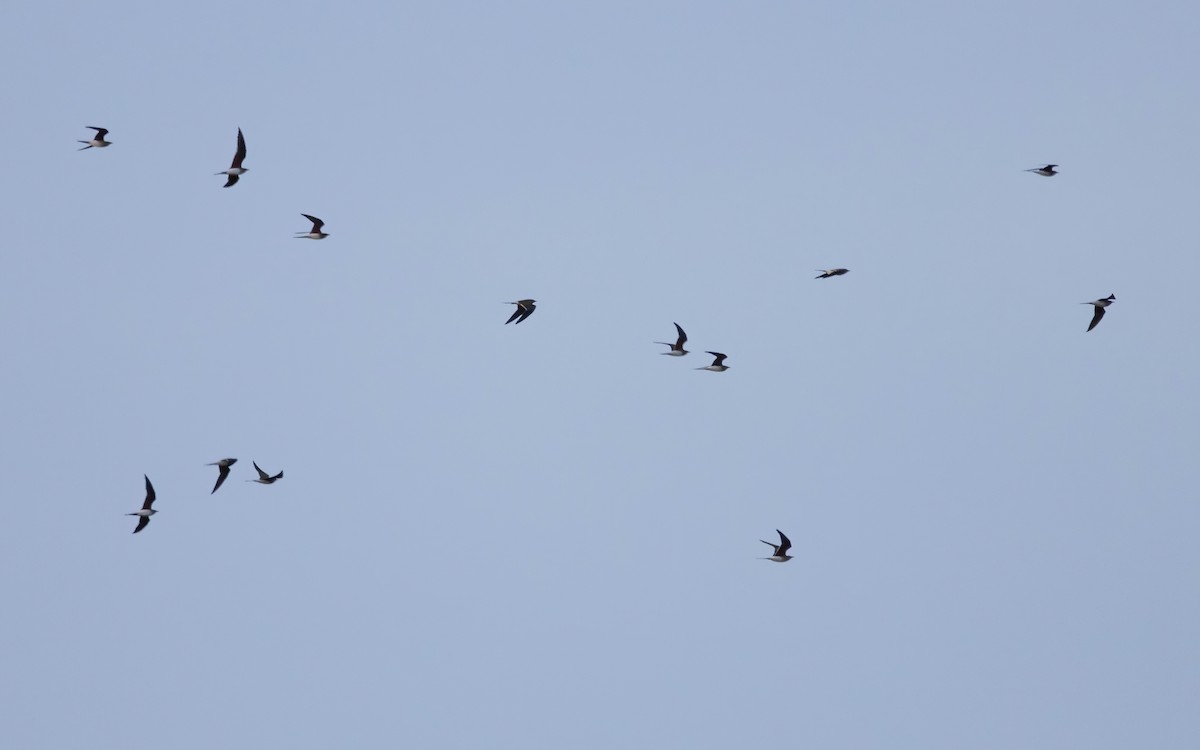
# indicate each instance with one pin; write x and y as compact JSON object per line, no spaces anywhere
{"x":545,"y":536}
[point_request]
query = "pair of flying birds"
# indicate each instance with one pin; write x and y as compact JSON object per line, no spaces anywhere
{"x":223,"y":472}
{"x":1049,"y":171}
{"x":235,"y":171}
{"x":1099,"y":304}
{"x":677,"y":350}
{"x":223,"y":469}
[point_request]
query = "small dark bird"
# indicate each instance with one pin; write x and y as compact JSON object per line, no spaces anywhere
{"x":223,"y":471}
{"x":315,"y":233}
{"x":781,"y":549}
{"x":718,"y":364}
{"x":831,"y":272}
{"x":1100,"y":304}
{"x":677,"y":349}
{"x":1046,"y":171}
{"x":146,"y":511}
{"x":235,"y":169}
{"x":97,"y":141}
{"x":525,"y":308}
{"x":264,"y":477}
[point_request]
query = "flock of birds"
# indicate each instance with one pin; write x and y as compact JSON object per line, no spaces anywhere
{"x":525,"y":308}
{"x":222,"y":472}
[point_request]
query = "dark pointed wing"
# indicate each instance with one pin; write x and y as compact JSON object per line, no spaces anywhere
{"x":261,"y":474}
{"x":231,"y":181}
{"x":240,"y":155}
{"x":682,"y":337}
{"x":785,"y":544}
{"x":516,"y":314}
{"x":1096,"y":318}
{"x":100,"y":132}
{"x":526,"y":310}
{"x":769,"y":544}
{"x":142,"y":522}
{"x":277,"y":476}
{"x":317,"y":223}
{"x":720,"y":358}
{"x":150,"y":496}
{"x":220,"y":478}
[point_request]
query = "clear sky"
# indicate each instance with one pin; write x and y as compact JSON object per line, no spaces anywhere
{"x":546,"y":535}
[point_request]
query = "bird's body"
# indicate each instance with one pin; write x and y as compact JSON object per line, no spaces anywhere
{"x":236,"y":169}
{"x":718,"y":364}
{"x":264,"y":477}
{"x":525,"y":308}
{"x":781,"y":549}
{"x":223,"y":471}
{"x":677,"y":349}
{"x":825,"y":274}
{"x":1046,"y":171}
{"x":146,"y":511}
{"x":97,"y":140}
{"x":1099,"y":304}
{"x":315,"y":233}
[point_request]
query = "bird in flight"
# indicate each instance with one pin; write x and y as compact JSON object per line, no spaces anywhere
{"x":146,"y":511}
{"x":223,"y":469}
{"x":677,"y":349}
{"x":1046,"y":171}
{"x":236,"y":169}
{"x":525,"y":308}
{"x":781,"y":549}
{"x":831,"y":272}
{"x":97,"y":141}
{"x":315,"y":233}
{"x":718,"y":364}
{"x":1100,"y":304}
{"x":264,"y":477}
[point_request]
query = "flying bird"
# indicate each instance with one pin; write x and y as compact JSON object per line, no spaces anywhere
{"x":1046,"y":171}
{"x":1100,"y":305}
{"x":97,"y":141}
{"x":525,"y":308}
{"x":718,"y":364}
{"x":222,"y":467}
{"x":781,"y":549}
{"x":831,"y":272}
{"x":236,"y":169}
{"x":264,"y":477}
{"x":677,"y":349}
{"x":315,"y":233}
{"x":146,"y":511}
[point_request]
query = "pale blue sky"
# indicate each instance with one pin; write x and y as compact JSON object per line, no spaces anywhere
{"x":545,"y":536}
